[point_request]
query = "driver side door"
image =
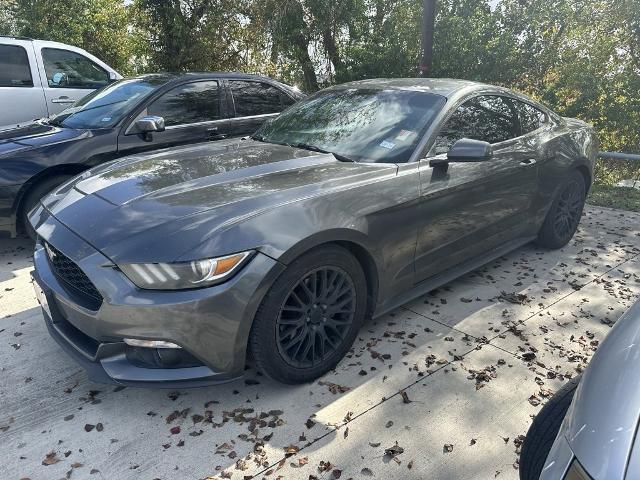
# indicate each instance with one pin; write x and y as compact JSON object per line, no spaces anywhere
{"x":192,"y":112}
{"x":472,"y":208}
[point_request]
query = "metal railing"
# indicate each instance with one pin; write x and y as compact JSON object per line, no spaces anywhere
{"x":628,"y":182}
{"x":619,"y":156}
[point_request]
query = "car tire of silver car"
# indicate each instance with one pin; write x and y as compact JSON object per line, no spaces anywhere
{"x":563,"y":217}
{"x":310,"y":317}
{"x":33,"y":196}
{"x":543,"y":431}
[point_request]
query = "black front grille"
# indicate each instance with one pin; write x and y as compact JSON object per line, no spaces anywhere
{"x":74,"y":278}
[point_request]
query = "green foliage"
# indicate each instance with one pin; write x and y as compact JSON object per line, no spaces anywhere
{"x":624,"y":198}
{"x":98,"y":26}
{"x":196,"y":35}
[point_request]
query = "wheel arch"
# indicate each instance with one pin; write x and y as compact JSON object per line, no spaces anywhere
{"x":354,"y":242}
{"x":66,"y":169}
{"x":586,"y":175}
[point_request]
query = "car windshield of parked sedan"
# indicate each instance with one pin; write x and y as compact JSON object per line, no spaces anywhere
{"x":361,"y":125}
{"x":106,"y":106}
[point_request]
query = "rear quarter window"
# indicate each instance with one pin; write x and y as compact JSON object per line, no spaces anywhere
{"x":531,"y":118}
{"x":14,"y":67}
{"x":255,"y":98}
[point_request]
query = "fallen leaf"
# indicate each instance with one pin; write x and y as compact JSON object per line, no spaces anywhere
{"x":50,"y":459}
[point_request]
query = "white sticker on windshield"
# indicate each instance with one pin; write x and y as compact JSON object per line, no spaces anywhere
{"x":404,"y":134}
{"x":106,"y":119}
{"x":387,"y":144}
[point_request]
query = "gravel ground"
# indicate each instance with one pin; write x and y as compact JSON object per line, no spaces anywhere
{"x":444,"y":387}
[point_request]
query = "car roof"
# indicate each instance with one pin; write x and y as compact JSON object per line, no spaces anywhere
{"x":440,"y":86}
{"x":179,"y":77}
{"x":45,"y":43}
{"x":168,"y":79}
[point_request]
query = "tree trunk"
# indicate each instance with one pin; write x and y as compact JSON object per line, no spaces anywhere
{"x":303,"y":58}
{"x":332,"y":51}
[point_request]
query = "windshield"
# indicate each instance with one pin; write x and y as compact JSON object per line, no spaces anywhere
{"x":357,"y":124}
{"x":106,"y":106}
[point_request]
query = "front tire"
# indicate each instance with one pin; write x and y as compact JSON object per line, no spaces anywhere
{"x":310,"y":317}
{"x":544,"y":430}
{"x":564,"y":215}
{"x":33,"y":196}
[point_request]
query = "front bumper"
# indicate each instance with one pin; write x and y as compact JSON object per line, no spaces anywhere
{"x":211,"y":324}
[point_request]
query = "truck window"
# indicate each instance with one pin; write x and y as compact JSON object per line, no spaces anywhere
{"x":14,"y":67}
{"x":67,"y":69}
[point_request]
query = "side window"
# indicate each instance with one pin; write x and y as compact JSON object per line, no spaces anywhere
{"x":67,"y":69}
{"x":489,"y":118}
{"x":255,"y":98}
{"x":14,"y":67}
{"x":189,"y":103}
{"x":530,"y":117}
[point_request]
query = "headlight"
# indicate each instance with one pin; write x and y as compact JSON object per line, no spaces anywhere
{"x":184,"y":275}
{"x":576,"y":472}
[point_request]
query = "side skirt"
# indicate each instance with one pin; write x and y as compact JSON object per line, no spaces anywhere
{"x":449,"y":275}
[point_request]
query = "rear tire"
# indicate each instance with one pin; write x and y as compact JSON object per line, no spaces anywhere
{"x":310,"y":317}
{"x":33,"y":196}
{"x":563,"y":217}
{"x":544,"y":430}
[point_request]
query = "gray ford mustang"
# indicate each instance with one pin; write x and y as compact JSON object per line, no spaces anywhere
{"x":172,"y":268}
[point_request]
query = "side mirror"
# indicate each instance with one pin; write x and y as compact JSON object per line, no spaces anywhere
{"x":149,"y":124}
{"x":465,"y":150}
{"x":112,"y":77}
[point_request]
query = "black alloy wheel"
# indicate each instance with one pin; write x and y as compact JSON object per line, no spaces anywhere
{"x":564,"y":215}
{"x":569,"y":209}
{"x":315,"y":317}
{"x":310,"y":316}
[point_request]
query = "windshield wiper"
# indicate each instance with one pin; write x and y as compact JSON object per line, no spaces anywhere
{"x":313,"y":148}
{"x":51,"y":121}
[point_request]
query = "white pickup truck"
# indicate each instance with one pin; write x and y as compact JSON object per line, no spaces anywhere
{"x":39,"y":78}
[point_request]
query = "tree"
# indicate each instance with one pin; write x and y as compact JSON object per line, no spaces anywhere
{"x":195,"y":35}
{"x":98,"y":26}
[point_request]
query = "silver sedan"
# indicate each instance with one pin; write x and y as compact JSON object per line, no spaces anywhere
{"x":588,"y":430}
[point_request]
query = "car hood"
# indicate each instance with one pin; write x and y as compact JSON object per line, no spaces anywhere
{"x":602,"y":421}
{"x":34,"y":135}
{"x":159,"y":206}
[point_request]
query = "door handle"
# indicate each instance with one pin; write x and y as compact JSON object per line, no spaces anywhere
{"x":63,"y":99}
{"x":528,"y":162}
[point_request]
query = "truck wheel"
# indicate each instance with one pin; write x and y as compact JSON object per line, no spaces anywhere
{"x":33,"y":196}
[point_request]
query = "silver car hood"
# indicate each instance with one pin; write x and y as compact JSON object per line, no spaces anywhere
{"x":603,"y":418}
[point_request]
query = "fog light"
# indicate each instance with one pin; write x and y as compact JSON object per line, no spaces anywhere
{"x":134,"y":342}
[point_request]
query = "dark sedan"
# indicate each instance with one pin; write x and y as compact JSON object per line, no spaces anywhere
{"x":170,"y":268}
{"x":126,"y":117}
